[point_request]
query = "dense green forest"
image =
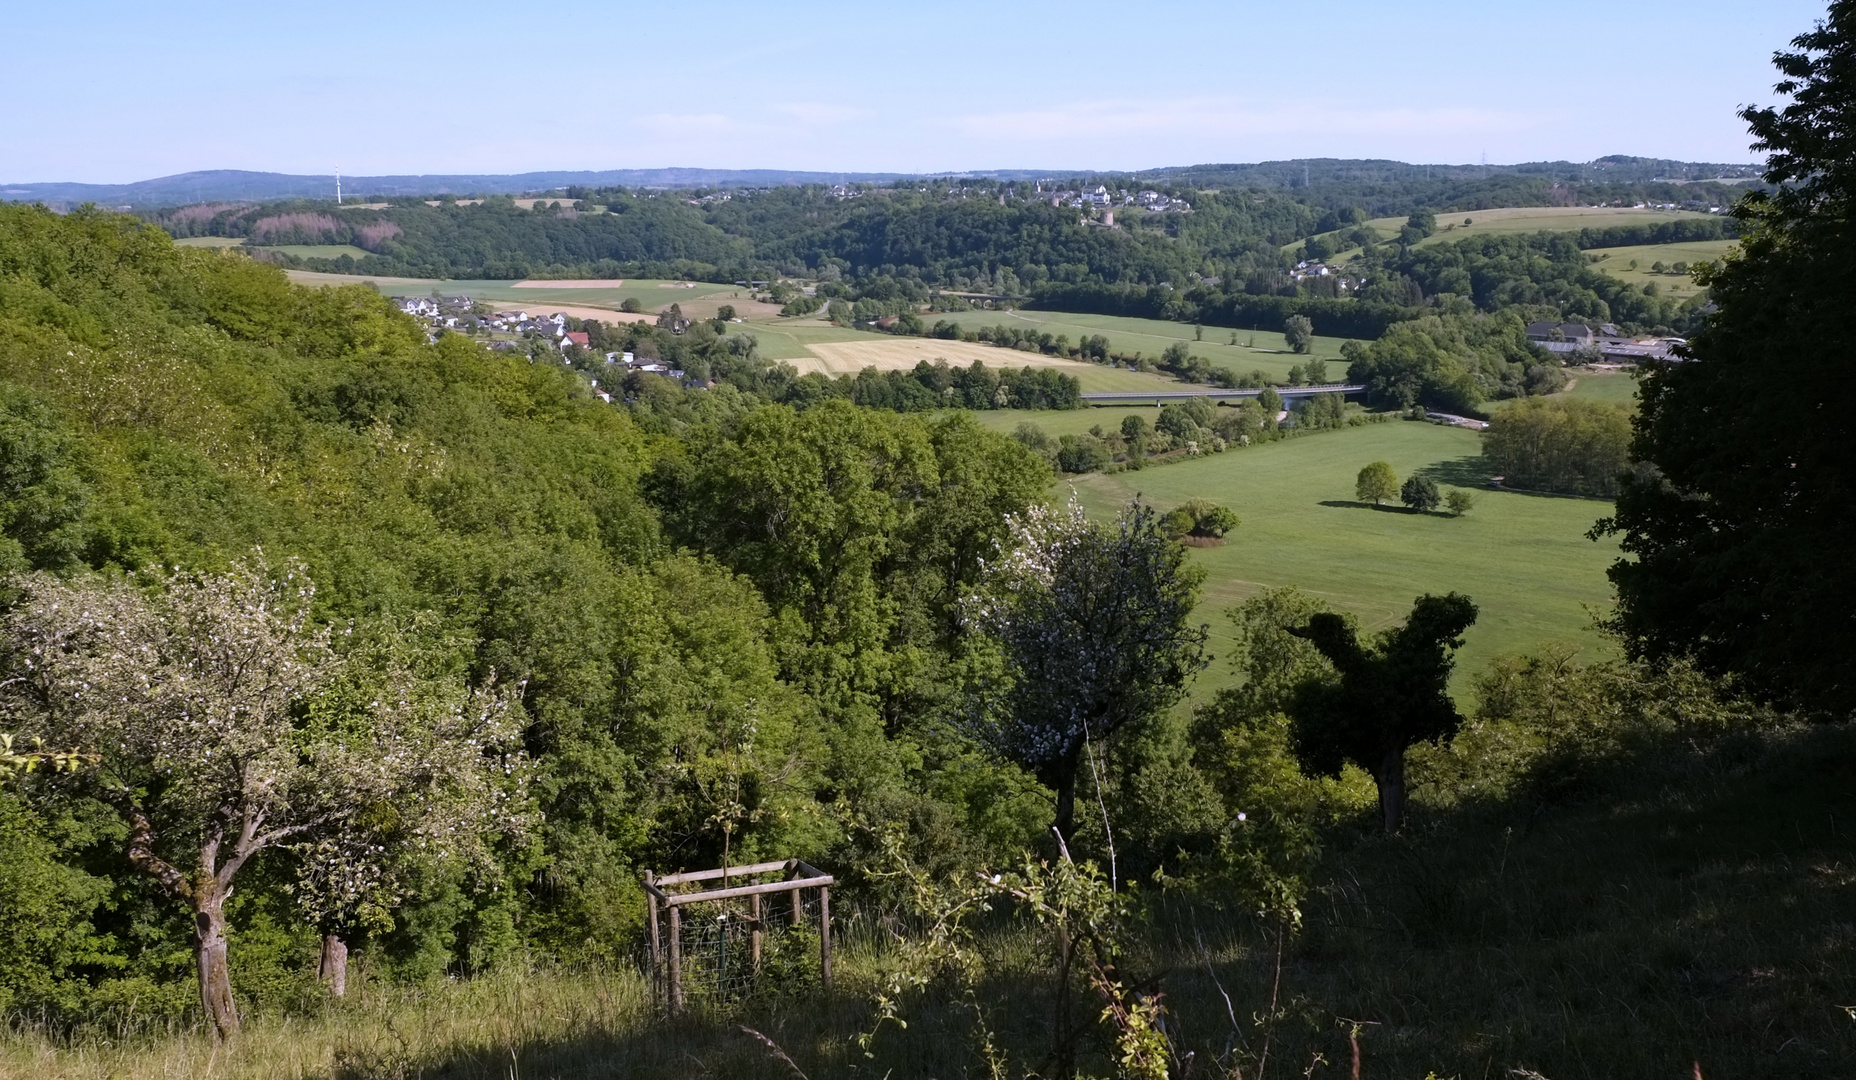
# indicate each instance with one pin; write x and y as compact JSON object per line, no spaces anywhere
{"x":175,"y":408}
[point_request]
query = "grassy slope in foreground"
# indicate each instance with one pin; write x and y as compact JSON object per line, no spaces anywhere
{"x":1523,"y":558}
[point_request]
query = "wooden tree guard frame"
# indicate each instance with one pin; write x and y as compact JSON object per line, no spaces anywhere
{"x":799,"y":876}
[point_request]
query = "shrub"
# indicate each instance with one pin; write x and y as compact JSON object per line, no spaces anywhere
{"x":1200,"y":518}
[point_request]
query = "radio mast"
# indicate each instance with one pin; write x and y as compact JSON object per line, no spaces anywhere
{"x":338,"y":187}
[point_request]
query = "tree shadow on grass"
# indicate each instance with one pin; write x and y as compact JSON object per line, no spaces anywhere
{"x":1464,"y":472}
{"x":1354,"y":504}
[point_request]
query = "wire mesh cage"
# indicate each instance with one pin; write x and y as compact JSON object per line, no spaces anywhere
{"x":713,"y":941}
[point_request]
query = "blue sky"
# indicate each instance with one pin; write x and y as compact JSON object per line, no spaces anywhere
{"x":114,"y":92}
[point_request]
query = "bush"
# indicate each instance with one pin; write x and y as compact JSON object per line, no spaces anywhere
{"x":1082,"y":454}
{"x":1199,"y":518}
{"x":1458,"y":502}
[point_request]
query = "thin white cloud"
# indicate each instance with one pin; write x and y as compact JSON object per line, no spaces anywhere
{"x":821,"y":113}
{"x":686,"y":123}
{"x":1213,"y":118}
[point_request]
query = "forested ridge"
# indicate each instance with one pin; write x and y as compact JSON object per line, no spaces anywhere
{"x":1221,"y":254}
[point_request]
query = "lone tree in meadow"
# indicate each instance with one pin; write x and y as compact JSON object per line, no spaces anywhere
{"x":1387,"y":696}
{"x":1376,"y":483}
{"x":1298,"y":332}
{"x":1421,"y":494}
{"x":1092,"y":621}
{"x":204,"y":710}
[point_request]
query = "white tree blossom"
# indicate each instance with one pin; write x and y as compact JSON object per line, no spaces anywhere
{"x":196,"y":700}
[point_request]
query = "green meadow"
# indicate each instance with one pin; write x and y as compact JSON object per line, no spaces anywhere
{"x":1262,"y":348}
{"x":652,"y":293}
{"x":1617,"y":387}
{"x":1527,"y":219}
{"x":1617,"y":263}
{"x":1524,"y":559}
{"x":318,"y":251}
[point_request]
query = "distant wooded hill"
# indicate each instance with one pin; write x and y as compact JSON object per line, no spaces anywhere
{"x":233,"y":185}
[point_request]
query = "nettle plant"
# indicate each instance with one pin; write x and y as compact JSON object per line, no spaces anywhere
{"x":212,"y":713}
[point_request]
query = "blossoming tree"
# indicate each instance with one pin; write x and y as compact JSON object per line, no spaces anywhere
{"x":1093,"y":624}
{"x":197,"y":700}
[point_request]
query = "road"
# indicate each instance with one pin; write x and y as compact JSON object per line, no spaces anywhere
{"x":1161,"y":397}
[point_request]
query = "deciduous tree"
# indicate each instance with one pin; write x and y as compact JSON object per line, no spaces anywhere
{"x":1299,"y":332}
{"x":196,"y":701}
{"x":1376,"y":483}
{"x":1093,"y":624}
{"x":1421,"y":494}
{"x":1388,"y":696}
{"x":1738,"y":508}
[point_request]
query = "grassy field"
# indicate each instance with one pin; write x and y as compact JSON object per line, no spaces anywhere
{"x":1150,"y":337}
{"x":1523,"y":558}
{"x":319,"y":251}
{"x":651,"y":293}
{"x":1617,"y":263}
{"x":1619,"y":387}
{"x":1527,"y":219}
{"x":1060,"y":422}
{"x":209,"y":241}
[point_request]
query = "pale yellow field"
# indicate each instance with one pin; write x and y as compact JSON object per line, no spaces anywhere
{"x":901,"y":354}
{"x":604,"y":315}
{"x":572,"y":283}
{"x":314,"y":277}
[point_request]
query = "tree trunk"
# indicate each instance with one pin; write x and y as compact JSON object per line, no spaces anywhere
{"x":333,"y":970}
{"x":1065,"y":824}
{"x":1391,"y":781}
{"x":209,"y":930}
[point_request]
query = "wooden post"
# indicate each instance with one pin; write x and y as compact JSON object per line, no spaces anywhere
{"x":652,"y":901}
{"x":754,"y":931}
{"x":676,"y":960}
{"x":799,"y":910}
{"x":824,"y":933}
